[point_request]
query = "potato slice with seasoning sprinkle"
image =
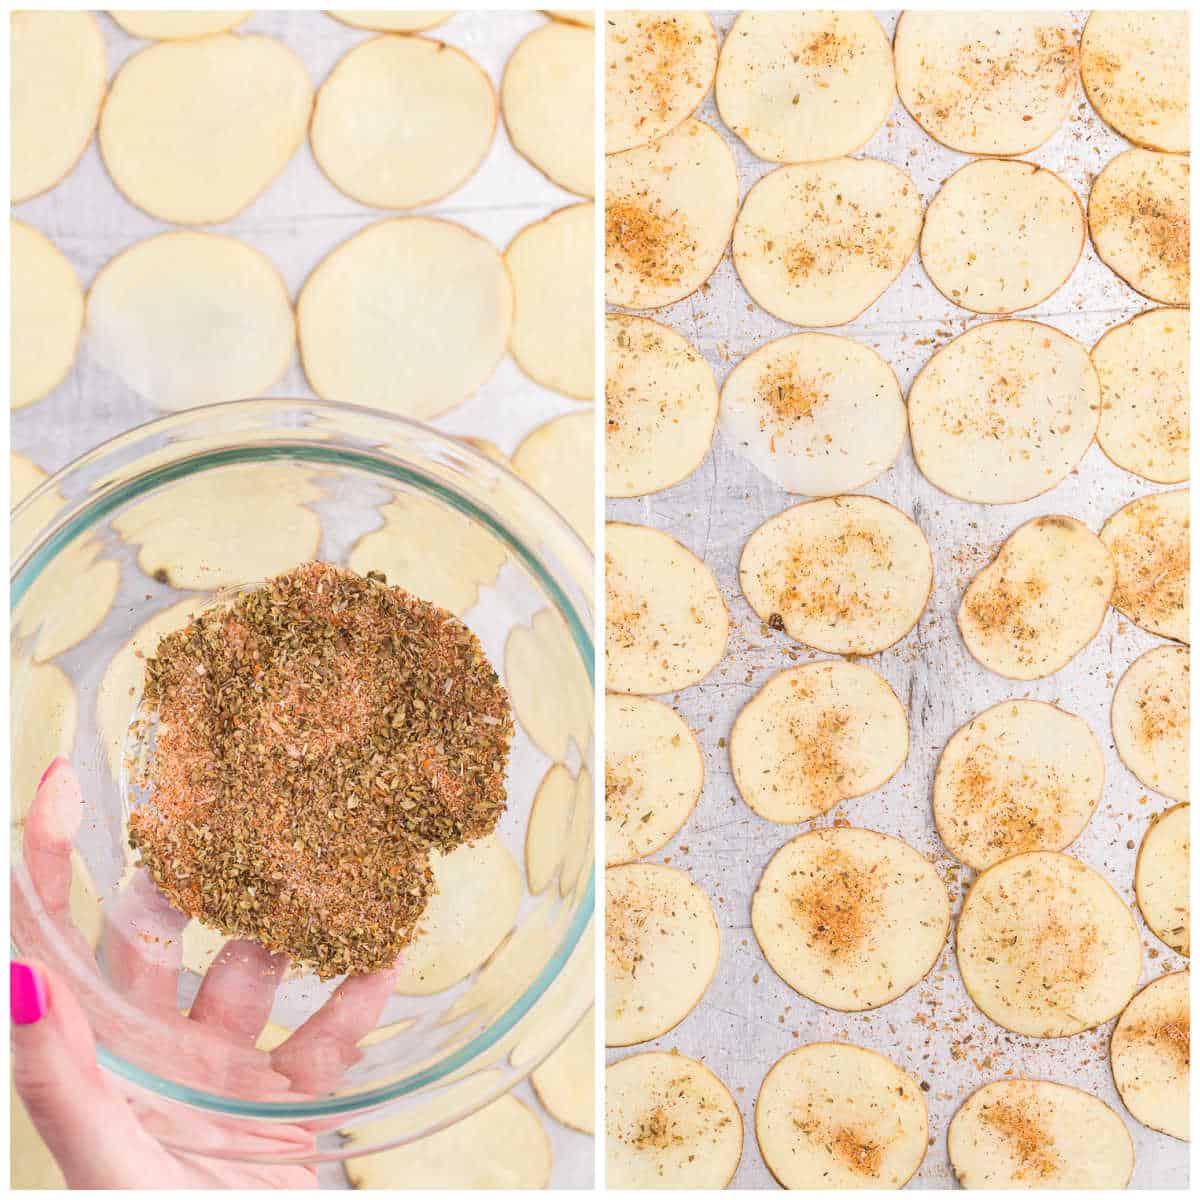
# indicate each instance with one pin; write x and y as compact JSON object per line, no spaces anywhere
{"x":658,"y":67}
{"x":1161,"y":879}
{"x":653,"y":776}
{"x":565,"y":1082}
{"x":840,"y":1116}
{"x":556,"y":461}
{"x":850,"y":918}
{"x":986,"y":82}
{"x":816,"y":735}
{"x":818,"y":243}
{"x":1022,"y":775}
{"x":1040,"y":600}
{"x":1148,"y":540}
{"x":1046,"y":947}
{"x":666,"y":621}
{"x":1151,"y":720}
{"x":1135,"y":72}
{"x":1138,"y":215}
{"x":1029,"y":1133}
{"x":849,"y":575}
{"x":669,"y":212}
{"x":661,"y":950}
{"x":669,"y":1123}
{"x":1151,"y":1055}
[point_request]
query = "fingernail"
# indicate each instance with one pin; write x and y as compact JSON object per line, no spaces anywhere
{"x":27,"y":994}
{"x":54,"y":765}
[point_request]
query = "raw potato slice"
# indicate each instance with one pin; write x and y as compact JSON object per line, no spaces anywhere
{"x":401,"y":121}
{"x":818,"y":243}
{"x":553,"y":275}
{"x":668,"y":215}
{"x":501,"y":1146}
{"x":661,"y":950}
{"x":1148,"y":539}
{"x":1161,"y":879}
{"x":1135,"y":72}
{"x":1046,"y":947}
{"x":547,"y":829}
{"x":1001,"y":236}
{"x":556,"y":460}
{"x":805,"y":86}
{"x":850,"y":575}
{"x":572,"y":16}
{"x":986,"y":82}
{"x":46,"y":692}
{"x":653,"y":776}
{"x":1029,"y":1133}
{"x":1022,"y":775}
{"x":171,"y":26}
{"x":814,"y":736}
{"x":1004,"y":412}
{"x":409,"y":316}
{"x":24,"y":476}
{"x":47,"y":314}
{"x":192,"y":132}
{"x":1039,"y":601}
{"x":566,"y":1082}
{"x":548,"y":103}
{"x":666,"y":623}
{"x":59,"y":67}
{"x":87,"y":912}
{"x":478,"y":894}
{"x":840,"y":1116}
{"x":660,"y":406}
{"x":1138,"y":215}
{"x":1151,"y":1056}
{"x":407,"y":21}
{"x":669,"y":1123}
{"x":201,"y":945}
{"x":658,"y":68}
{"x":1151,"y":720}
{"x":577,"y":862}
{"x":816,"y":414}
{"x":192,"y":318}
{"x":850,"y":918}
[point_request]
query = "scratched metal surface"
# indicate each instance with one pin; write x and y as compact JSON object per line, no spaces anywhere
{"x":749,"y":1018}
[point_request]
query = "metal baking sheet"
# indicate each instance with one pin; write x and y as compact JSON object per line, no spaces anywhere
{"x":749,"y":1017}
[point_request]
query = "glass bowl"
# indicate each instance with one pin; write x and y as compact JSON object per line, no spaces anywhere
{"x":119,"y":548}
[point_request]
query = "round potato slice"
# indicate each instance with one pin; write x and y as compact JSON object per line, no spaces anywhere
{"x":816,"y":735}
{"x":172,"y":26}
{"x":565,"y":1082}
{"x":552,"y":267}
{"x":661,"y":949}
{"x":24,"y":475}
{"x":670,"y":1123}
{"x":1040,"y":600}
{"x":1004,"y":412}
{"x":47,"y":314}
{"x":46,"y":690}
{"x":669,"y":211}
{"x":546,"y":831}
{"x":805,"y":86}
{"x":1151,"y":1055}
{"x":818,"y":243}
{"x":547,"y":101}
{"x":1138,"y":215}
{"x":577,"y":861}
{"x":1151,"y":720}
{"x":410,"y":316}
{"x":1046,"y":947}
{"x":1135,"y":72}
{"x":658,"y":68}
{"x":367,"y":138}
{"x":850,"y":918}
{"x":1161,"y":879}
{"x":1001,"y":236}
{"x":840,"y":1116}
{"x":556,"y":461}
{"x":653,"y":776}
{"x":986,"y":82}
{"x":59,"y":70}
{"x":413,"y":21}
{"x":1148,"y":540}
{"x":816,"y":414}
{"x":192,"y":318}
{"x":1022,"y":775}
{"x":666,"y":621}
{"x":1029,"y":1133}
{"x":849,"y":575}
{"x":660,"y":406}
{"x":194,"y":131}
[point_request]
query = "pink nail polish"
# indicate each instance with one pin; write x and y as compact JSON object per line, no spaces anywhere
{"x":54,"y":765}
{"x":26,"y":994}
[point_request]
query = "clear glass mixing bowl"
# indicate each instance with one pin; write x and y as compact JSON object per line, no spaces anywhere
{"x":120,"y":547}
